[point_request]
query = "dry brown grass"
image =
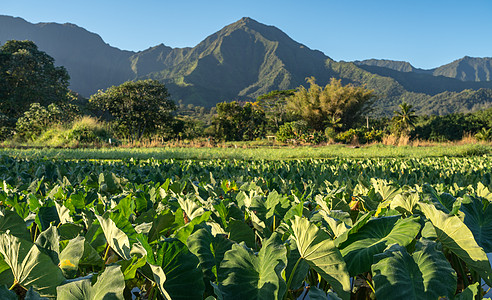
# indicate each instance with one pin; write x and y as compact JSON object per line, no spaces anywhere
{"x":468,"y":138}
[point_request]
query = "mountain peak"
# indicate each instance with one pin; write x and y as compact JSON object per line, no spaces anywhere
{"x":247,"y":19}
{"x":246,"y":22}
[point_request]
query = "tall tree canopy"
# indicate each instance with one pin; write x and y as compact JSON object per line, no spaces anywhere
{"x":318,"y":106}
{"x":404,"y":120}
{"x":236,"y":122}
{"x":28,"y":75}
{"x":140,"y":107}
{"x":274,"y":106}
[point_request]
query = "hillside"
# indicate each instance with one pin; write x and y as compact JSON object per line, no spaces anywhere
{"x":467,"y":69}
{"x":91,"y":63}
{"x":243,"y":61}
{"x":464,"y":69}
{"x":401,"y":66}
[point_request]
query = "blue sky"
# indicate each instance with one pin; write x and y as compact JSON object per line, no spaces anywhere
{"x":425,"y":33}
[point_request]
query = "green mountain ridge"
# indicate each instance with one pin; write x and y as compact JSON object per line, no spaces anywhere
{"x":245,"y":60}
{"x":464,"y":69}
{"x":467,"y":69}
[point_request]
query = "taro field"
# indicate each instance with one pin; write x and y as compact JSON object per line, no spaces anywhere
{"x":230,"y":229}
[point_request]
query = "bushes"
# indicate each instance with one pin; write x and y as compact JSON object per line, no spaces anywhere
{"x":291,"y":131}
{"x":88,"y":130}
{"x":484,"y":135}
{"x":359,"y":135}
{"x":33,"y":122}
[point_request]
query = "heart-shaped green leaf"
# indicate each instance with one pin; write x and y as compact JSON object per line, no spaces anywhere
{"x":30,"y":266}
{"x":316,"y":247}
{"x":425,"y":274}
{"x":250,"y":276}
{"x":359,"y":248}
{"x":109,"y":285}
{"x":455,"y":236}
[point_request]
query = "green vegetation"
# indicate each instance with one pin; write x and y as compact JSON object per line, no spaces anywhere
{"x":247,"y":59}
{"x":317,"y":105}
{"x":143,"y":110}
{"x":243,"y":151}
{"x":29,"y":75}
{"x":235,"y":122}
{"x":341,"y":228}
{"x":138,"y":108}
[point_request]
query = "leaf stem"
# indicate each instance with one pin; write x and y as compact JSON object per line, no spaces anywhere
{"x":14,"y":284}
{"x":457,"y":261}
{"x":289,"y":282}
{"x":35,"y":231}
{"x":106,"y":254}
{"x":369,"y":283}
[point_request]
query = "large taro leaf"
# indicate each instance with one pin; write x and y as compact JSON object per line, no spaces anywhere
{"x":359,"y":248}
{"x":301,"y":267}
{"x":46,"y":215}
{"x":239,"y":232}
{"x":30,"y":266}
{"x":425,"y":274}
{"x":361,"y":221}
{"x":183,"y":275}
{"x":455,"y":236}
{"x":109,"y":285}
{"x":478,"y":218}
{"x":190,"y":208}
{"x":160,"y":279}
{"x":445,"y":202}
{"x":386,"y":191}
{"x":10,"y":220}
{"x":78,"y":252}
{"x":48,"y":242}
{"x":210,"y":251}
{"x":185,"y":231}
{"x":160,"y":225}
{"x":405,"y":202}
{"x":250,"y":276}
{"x":483,"y":191}
{"x":316,"y":247}
{"x":120,"y":238}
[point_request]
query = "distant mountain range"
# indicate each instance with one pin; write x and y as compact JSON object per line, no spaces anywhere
{"x":247,"y":59}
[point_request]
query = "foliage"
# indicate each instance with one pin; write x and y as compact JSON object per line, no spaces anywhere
{"x":274,"y":106}
{"x":236,"y":122}
{"x":404,"y":119}
{"x":359,"y":135}
{"x":139,"y":107}
{"x":291,"y":131}
{"x":484,"y":134}
{"x":7,"y":126}
{"x":451,"y":127}
{"x":337,"y":228}
{"x":36,"y":120}
{"x":29,"y":76}
{"x":317,"y":105}
{"x":87,"y":130}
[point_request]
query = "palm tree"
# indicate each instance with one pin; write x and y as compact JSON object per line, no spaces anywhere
{"x":404,"y":119}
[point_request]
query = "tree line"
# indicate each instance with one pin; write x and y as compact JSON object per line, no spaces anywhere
{"x":35,"y":102}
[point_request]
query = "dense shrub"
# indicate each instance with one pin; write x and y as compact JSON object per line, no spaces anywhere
{"x":360,"y":135}
{"x":34,"y":121}
{"x":88,"y":131}
{"x":291,"y":131}
{"x":484,"y":135}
